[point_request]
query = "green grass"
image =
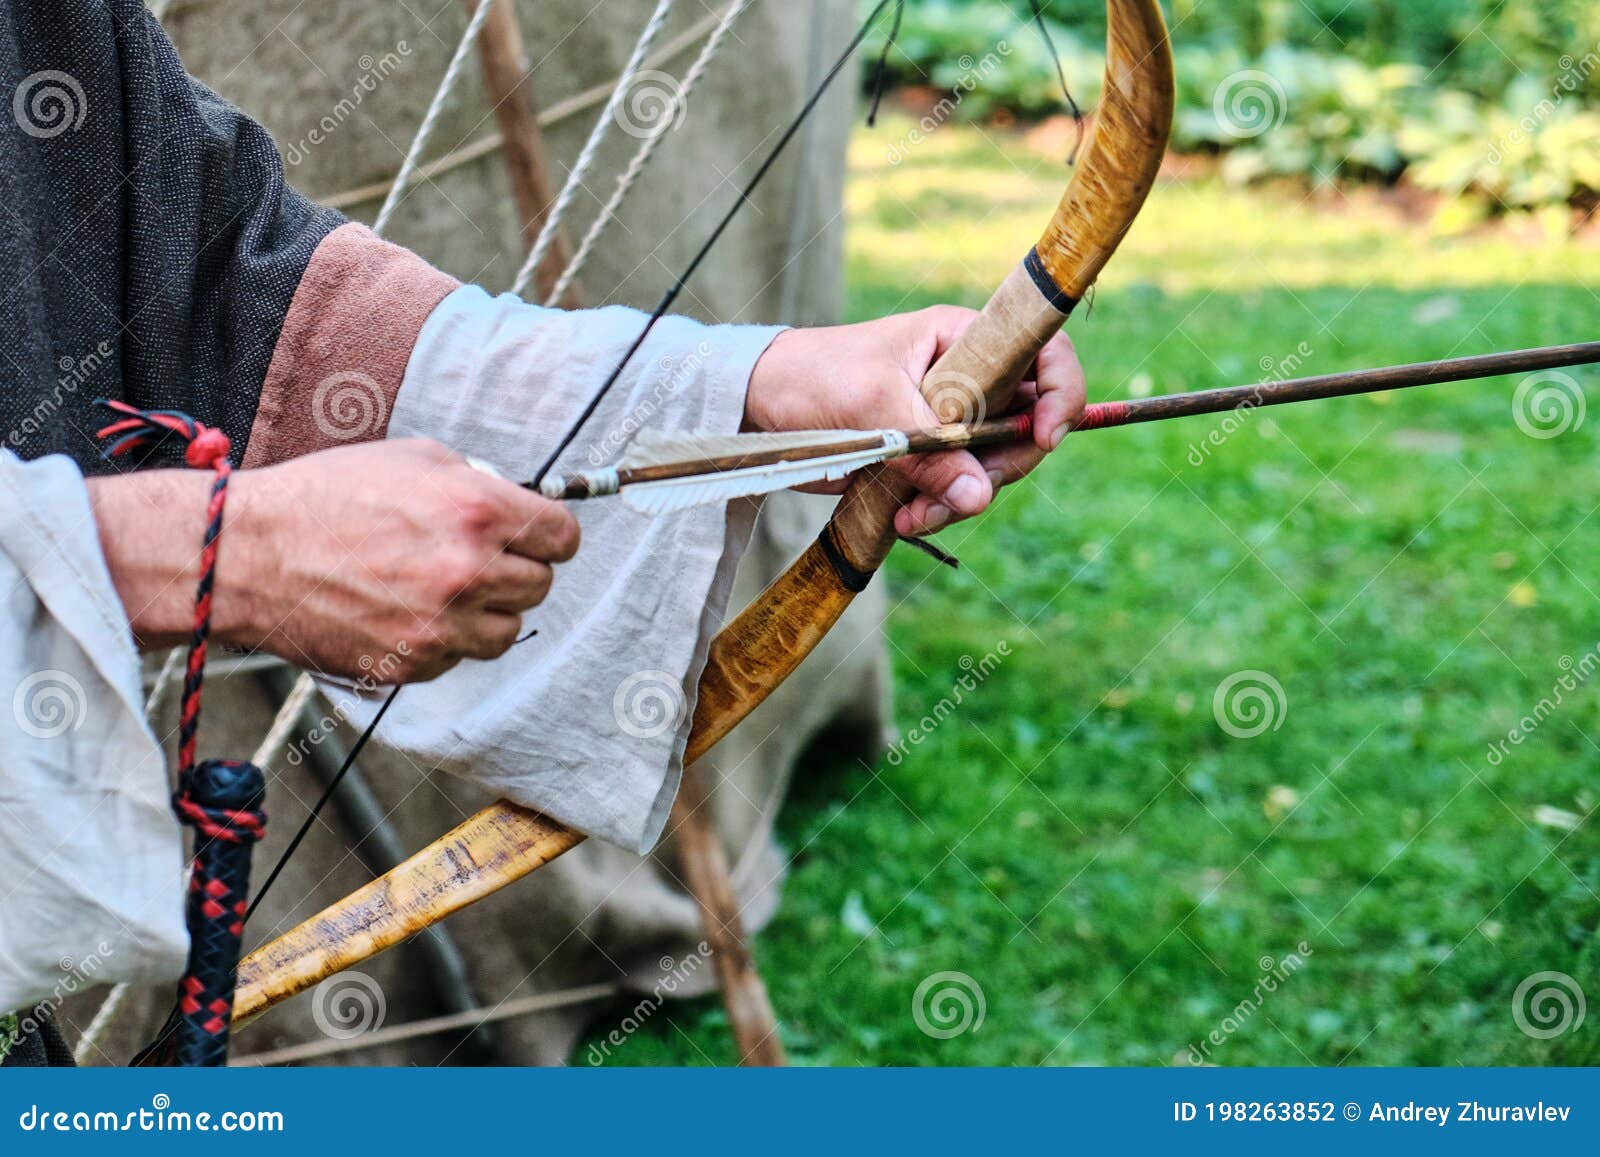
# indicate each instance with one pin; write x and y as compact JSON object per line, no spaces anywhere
{"x":1080,"y":836}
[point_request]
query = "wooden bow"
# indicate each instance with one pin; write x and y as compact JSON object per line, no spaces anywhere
{"x":754,"y":653}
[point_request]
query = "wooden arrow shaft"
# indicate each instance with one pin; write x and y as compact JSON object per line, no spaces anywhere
{"x":1160,"y":409}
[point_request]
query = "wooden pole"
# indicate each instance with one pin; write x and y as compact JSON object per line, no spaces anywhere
{"x":503,"y":58}
{"x":710,"y":882}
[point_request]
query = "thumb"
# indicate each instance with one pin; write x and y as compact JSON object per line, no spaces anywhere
{"x":953,"y":479}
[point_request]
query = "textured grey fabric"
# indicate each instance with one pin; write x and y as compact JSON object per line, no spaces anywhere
{"x":150,"y":247}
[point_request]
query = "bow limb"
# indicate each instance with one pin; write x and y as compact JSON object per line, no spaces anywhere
{"x":758,"y":650}
{"x":976,"y":376}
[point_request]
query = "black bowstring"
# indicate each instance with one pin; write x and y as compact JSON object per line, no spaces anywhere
{"x":1061,"y":75}
{"x":573,"y":430}
{"x":880,"y":73}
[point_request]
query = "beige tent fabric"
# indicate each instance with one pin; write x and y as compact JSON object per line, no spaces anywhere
{"x":356,"y":77}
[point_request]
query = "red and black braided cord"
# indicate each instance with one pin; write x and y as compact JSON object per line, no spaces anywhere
{"x":221,"y":799}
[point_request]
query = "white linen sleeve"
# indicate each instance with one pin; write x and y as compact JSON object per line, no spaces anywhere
{"x":91,"y":856}
{"x":587,"y":720}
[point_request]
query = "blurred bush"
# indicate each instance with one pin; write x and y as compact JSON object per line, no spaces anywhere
{"x":1284,"y":110}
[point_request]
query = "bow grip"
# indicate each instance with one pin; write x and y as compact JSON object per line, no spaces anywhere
{"x":972,"y":382}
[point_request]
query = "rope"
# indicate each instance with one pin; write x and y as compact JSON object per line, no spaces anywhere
{"x":284,"y":722}
{"x":447,"y":84}
{"x":477,"y":1018}
{"x":665,"y":123}
{"x":556,"y":113}
{"x":591,"y":147}
{"x":89,"y":1042}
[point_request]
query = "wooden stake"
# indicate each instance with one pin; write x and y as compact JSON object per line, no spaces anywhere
{"x":709,"y":880}
{"x":503,"y":57}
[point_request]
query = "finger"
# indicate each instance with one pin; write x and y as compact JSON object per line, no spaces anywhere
{"x":1061,"y":392}
{"x":489,"y":634}
{"x":512,"y":583}
{"x":541,"y":529}
{"x":923,"y":515}
{"x":431,"y":669}
{"x":1007,"y":464}
{"x":933,"y":331}
{"x":954,"y":479}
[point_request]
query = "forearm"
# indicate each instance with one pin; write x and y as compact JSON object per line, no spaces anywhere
{"x":150,"y":526}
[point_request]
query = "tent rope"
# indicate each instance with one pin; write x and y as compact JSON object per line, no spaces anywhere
{"x":665,"y":123}
{"x":452,"y":74}
{"x":591,"y":147}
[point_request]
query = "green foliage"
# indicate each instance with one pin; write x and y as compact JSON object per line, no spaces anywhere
{"x":1527,"y":152}
{"x":1481,"y":46}
{"x":1295,"y":111}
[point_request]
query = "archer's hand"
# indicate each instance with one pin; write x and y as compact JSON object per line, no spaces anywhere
{"x":866,"y":376}
{"x":388,"y":561}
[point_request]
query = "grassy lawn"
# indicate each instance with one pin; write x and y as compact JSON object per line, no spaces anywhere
{"x":1080,"y":836}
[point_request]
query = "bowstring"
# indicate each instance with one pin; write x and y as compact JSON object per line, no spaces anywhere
{"x":576,"y":427}
{"x":1061,"y":76}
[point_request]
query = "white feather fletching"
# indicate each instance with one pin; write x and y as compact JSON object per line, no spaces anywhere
{"x":652,"y":448}
{"x":671,"y":494}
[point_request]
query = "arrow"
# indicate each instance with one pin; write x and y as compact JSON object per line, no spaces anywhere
{"x":661,"y":474}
